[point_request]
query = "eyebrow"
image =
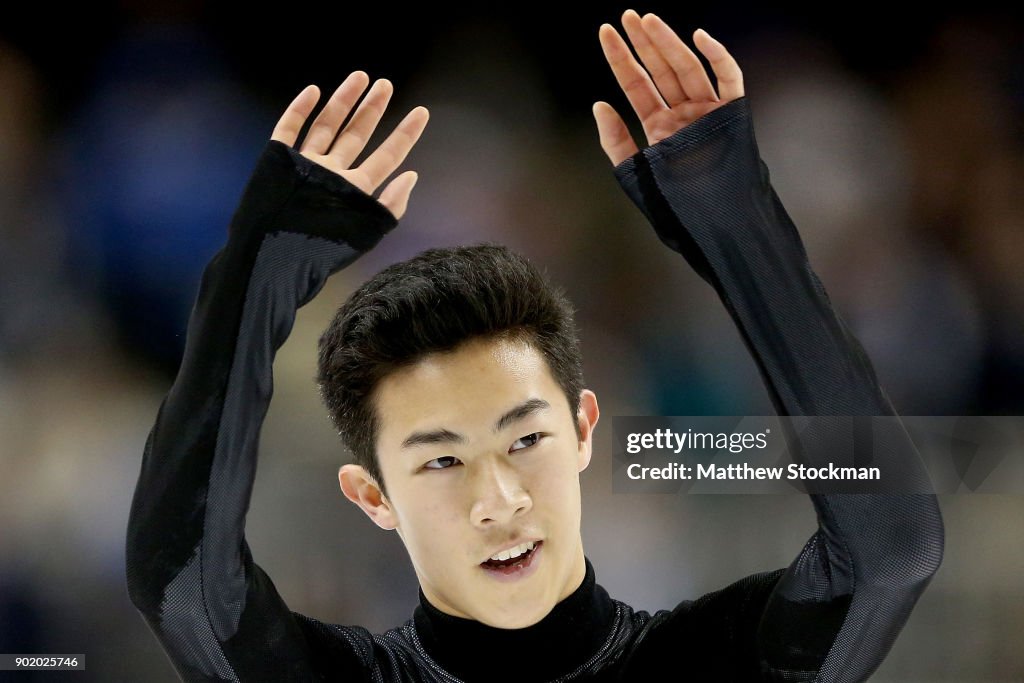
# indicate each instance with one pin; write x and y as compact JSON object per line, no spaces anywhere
{"x":442,"y":435}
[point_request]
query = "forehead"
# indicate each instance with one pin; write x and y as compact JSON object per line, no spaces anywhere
{"x":464,"y":390}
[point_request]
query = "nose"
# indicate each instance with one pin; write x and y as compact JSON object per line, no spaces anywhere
{"x":498,"y":494}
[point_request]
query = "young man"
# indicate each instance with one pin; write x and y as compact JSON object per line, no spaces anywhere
{"x":455,"y":378}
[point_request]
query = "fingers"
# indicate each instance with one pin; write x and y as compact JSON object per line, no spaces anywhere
{"x":291,"y":122}
{"x":664,"y":75}
{"x":392,"y":152}
{"x":326,"y":125}
{"x":396,"y":195}
{"x":632,"y":78}
{"x":687,"y":66}
{"x":358,"y":131}
{"x":727,"y":71}
{"x":616,"y":141}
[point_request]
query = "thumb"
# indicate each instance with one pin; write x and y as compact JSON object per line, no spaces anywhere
{"x":395,"y":196}
{"x":616,"y":141}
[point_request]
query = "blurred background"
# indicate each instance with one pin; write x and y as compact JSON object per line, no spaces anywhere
{"x":129,"y":130}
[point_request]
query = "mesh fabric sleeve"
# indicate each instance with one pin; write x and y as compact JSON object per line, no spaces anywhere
{"x":189,"y":568}
{"x":835,"y":612}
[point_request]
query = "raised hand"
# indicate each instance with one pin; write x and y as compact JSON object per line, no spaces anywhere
{"x":337,"y":152}
{"x":683,"y":93}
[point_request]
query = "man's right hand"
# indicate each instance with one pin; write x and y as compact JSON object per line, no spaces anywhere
{"x":340,"y":155}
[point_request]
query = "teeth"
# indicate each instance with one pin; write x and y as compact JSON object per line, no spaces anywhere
{"x":514,"y":552}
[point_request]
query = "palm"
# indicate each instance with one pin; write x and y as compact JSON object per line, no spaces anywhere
{"x":336,"y":148}
{"x":356,"y":176}
{"x":662,"y":124}
{"x":676,"y":91}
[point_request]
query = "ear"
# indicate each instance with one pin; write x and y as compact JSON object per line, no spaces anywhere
{"x":587,"y":418}
{"x":361,"y":488}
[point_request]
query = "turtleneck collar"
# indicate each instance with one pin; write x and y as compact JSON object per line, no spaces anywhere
{"x":564,"y":639}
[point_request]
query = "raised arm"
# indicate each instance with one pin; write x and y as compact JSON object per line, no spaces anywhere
{"x":304,"y":215}
{"x":835,"y":612}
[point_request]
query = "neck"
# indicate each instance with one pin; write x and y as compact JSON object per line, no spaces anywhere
{"x":472,"y":650}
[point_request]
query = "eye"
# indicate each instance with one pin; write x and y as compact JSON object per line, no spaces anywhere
{"x":529,"y":440}
{"x":442,"y":463}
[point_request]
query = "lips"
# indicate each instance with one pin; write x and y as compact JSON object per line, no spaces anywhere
{"x":513,"y":568}
{"x":513,"y":551}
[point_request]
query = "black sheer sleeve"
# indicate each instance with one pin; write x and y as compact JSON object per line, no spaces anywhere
{"x":189,"y":569}
{"x":834,"y":614}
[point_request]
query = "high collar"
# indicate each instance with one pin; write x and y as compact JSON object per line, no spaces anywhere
{"x":564,"y":639}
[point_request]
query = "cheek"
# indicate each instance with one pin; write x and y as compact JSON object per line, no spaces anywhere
{"x":557,"y":481}
{"x":429,"y":520}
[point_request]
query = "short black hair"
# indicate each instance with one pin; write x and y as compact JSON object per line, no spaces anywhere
{"x":435,"y":302}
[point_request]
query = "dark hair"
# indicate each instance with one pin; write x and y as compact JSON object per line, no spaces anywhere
{"x":435,"y":302}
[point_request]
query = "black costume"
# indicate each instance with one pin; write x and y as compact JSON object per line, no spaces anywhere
{"x":830,"y":616}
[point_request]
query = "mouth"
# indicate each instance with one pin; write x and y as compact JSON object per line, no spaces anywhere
{"x":514,"y":567}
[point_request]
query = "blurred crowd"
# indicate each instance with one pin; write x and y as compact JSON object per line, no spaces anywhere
{"x":907,"y":188}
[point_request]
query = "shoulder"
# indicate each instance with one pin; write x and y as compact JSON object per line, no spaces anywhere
{"x":714,"y":635}
{"x":337,"y":648}
{"x":394,"y":655}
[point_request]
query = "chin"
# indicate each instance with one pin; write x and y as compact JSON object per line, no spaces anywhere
{"x":529,"y":615}
{"x":506,"y":623}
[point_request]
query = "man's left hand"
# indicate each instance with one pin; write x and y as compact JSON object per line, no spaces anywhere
{"x":685,"y":94}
